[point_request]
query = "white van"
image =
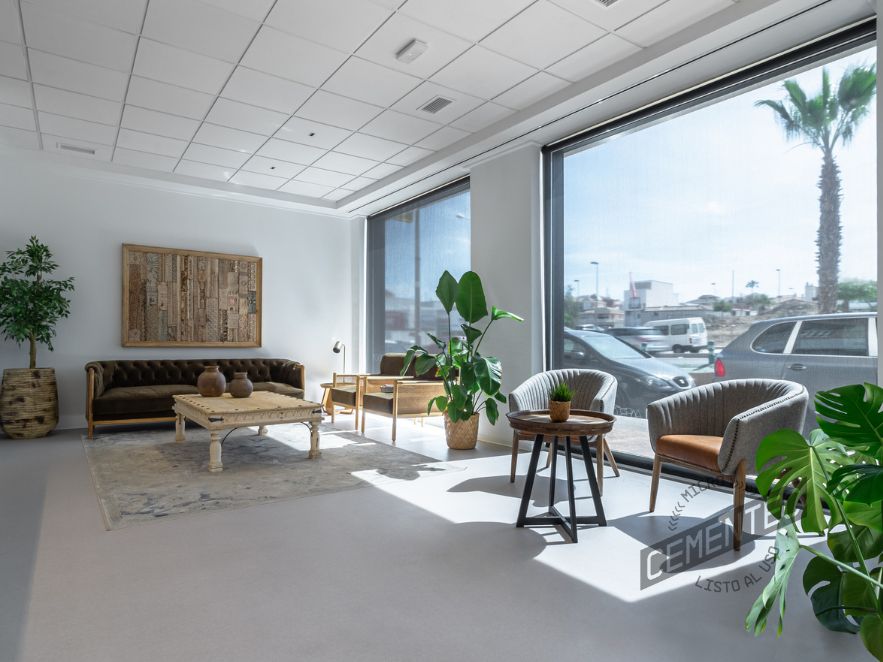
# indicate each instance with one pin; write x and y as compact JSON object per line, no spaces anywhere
{"x":685,"y":335}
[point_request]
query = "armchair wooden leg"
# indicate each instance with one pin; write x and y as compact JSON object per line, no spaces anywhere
{"x":332,"y":410}
{"x":599,"y":463}
{"x":609,"y":455}
{"x":738,"y":505}
{"x":514,"y":456}
{"x":363,"y":420}
{"x":394,"y":419}
{"x":654,"y":483}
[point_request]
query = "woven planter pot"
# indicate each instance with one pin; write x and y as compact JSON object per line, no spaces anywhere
{"x":28,"y":402}
{"x":461,"y":435}
{"x":559,"y":411}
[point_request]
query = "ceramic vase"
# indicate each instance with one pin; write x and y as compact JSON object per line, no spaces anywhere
{"x":241,"y":386}
{"x":211,"y":383}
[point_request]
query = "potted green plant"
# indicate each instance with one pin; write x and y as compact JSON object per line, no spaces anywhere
{"x":829,"y":484}
{"x":559,"y":403}
{"x":30,"y":306}
{"x":471,"y":380}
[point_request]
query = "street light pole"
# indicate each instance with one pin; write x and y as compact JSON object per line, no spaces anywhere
{"x":597,"y":299}
{"x":576,"y":280}
{"x":779,"y":286}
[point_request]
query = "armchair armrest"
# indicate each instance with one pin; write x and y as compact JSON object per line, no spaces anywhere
{"x":372,"y":383}
{"x":294,"y":374}
{"x":96,"y":380}
{"x":414,"y":395}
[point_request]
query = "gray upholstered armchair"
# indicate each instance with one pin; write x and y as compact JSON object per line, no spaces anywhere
{"x":717,"y":428}
{"x":592,"y":389}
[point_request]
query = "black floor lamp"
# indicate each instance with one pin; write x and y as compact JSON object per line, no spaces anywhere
{"x":337,"y":349}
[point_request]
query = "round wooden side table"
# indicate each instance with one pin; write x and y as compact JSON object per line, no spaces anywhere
{"x":581,"y":425}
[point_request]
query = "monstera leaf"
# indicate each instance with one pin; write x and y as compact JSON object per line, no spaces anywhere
{"x":859,"y":483}
{"x":787,"y":547}
{"x":852,"y":414}
{"x":785,"y":460}
{"x":825,"y":584}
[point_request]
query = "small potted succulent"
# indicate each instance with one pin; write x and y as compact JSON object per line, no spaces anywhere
{"x":559,"y":403}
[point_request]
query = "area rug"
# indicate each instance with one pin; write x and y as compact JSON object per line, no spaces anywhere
{"x":145,"y":475}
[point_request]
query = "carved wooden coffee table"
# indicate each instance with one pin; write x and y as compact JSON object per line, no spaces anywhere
{"x":227,"y":413}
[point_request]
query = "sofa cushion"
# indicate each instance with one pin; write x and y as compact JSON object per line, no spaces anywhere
{"x":379,"y":402}
{"x":139,"y":401}
{"x":344,"y":395}
{"x":696,"y":449}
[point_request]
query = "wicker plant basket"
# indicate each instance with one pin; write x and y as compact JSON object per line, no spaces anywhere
{"x":461,"y":435}
{"x":559,"y":411}
{"x":28,"y":402}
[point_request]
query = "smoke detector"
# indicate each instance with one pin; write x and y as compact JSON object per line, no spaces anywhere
{"x":411,"y":51}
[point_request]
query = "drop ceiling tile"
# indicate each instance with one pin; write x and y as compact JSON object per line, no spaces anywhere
{"x":669,"y":18}
{"x":125,"y":16}
{"x":14,"y":91}
{"x":260,"y":89}
{"x":469,"y":19}
{"x":320,"y":20}
{"x":482,"y":117}
{"x":542,"y":34}
{"x":248,"y":118}
{"x":608,"y":50}
{"x":257,"y":180}
{"x":461,"y":103}
{"x":612,"y":17}
{"x":76,"y":76}
{"x":17,"y":117}
{"x":337,"y":110}
{"x":144,"y":160}
{"x":366,"y":81}
{"x":483,"y":73}
{"x":339,"y":194}
{"x":18,"y":138}
{"x":221,"y":136}
{"x":325,"y":177}
{"x":274,"y":167}
{"x":442,"y":138}
{"x":409,"y":156}
{"x":173,"y":65}
{"x":255,"y":9}
{"x":359,"y":183}
{"x":204,"y":170}
{"x":291,"y":57}
{"x":215,"y":156}
{"x":168,"y":98}
{"x":528,"y":92}
{"x":162,"y":124}
{"x":399,"y":127}
{"x":146,"y":142}
{"x":199,"y":27}
{"x":81,"y":106}
{"x":12,"y":61}
{"x":305,"y":188}
{"x":389,"y":4}
{"x":291,"y":152}
{"x":87,"y":42}
{"x":350,"y":165}
{"x":78,"y":129}
{"x":10,"y":30}
{"x":312,"y":133}
{"x":397,"y":32}
{"x":369,"y":147}
{"x":53,"y":144}
{"x":381,"y":171}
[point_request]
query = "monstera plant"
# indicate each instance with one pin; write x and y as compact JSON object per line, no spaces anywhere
{"x":471,"y":379}
{"x":830,"y":484}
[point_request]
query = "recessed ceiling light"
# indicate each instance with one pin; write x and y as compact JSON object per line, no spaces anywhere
{"x":75,"y":148}
{"x":411,"y":51}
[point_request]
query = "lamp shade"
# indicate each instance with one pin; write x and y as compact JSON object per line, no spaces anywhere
{"x":337,"y":347}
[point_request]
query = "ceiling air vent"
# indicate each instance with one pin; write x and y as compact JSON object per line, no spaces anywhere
{"x":75,"y":148}
{"x":436,"y":105}
{"x":606,"y":3}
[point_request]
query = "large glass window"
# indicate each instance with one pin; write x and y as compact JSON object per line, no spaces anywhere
{"x":686,"y":231}
{"x":409,"y":247}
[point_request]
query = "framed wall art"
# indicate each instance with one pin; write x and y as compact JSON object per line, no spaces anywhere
{"x":185,"y":298}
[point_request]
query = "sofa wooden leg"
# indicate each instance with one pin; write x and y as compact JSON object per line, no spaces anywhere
{"x":654,"y":483}
{"x":91,"y":430}
{"x":738,"y":505}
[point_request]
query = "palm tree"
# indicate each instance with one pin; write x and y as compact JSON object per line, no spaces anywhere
{"x":823,"y":121}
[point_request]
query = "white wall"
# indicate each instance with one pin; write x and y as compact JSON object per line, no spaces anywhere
{"x":507,"y":253}
{"x":309,"y":266}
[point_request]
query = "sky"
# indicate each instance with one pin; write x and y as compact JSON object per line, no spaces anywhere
{"x":717,"y":191}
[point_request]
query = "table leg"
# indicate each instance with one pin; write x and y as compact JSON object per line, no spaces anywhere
{"x":180,"y":423}
{"x":593,"y":484}
{"x":214,"y":452}
{"x":553,"y":453}
{"x":568,"y":457}
{"x":262,"y":430}
{"x":314,"y":441}
{"x":531,"y":474}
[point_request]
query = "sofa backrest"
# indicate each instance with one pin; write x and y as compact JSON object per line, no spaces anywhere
{"x":155,"y":372}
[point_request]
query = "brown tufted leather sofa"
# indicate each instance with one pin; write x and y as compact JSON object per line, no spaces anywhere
{"x":125,"y":391}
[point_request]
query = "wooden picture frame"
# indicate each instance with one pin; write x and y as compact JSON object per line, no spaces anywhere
{"x":173,"y":298}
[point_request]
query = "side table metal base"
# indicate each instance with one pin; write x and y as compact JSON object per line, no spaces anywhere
{"x":554,"y":516}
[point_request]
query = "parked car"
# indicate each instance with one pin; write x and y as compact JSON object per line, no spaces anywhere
{"x":589,"y":327}
{"x":641,"y":379}
{"x":819,"y":351}
{"x":642,"y":337}
{"x":684,"y":335}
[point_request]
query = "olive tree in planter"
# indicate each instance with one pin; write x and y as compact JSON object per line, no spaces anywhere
{"x":30,"y":306}
{"x":471,"y":380}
